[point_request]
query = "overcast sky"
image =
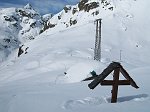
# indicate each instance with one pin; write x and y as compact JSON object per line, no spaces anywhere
{"x":43,"y":6}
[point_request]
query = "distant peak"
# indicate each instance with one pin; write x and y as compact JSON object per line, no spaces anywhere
{"x":28,"y":6}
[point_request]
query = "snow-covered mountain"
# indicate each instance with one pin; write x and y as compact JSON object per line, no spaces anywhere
{"x":84,"y":11}
{"x":47,"y":77}
{"x":18,"y":25}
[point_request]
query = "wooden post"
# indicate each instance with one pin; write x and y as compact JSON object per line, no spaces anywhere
{"x":115,"y":85}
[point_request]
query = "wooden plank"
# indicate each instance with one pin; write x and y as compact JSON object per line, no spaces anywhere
{"x":107,"y":83}
{"x":90,"y":78}
{"x":111,"y":82}
{"x":115,"y":86}
{"x":127,"y":76}
{"x":103,"y":75}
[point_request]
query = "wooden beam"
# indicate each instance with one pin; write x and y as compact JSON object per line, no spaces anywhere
{"x":127,"y":76}
{"x":115,"y":85}
{"x":103,"y":75}
{"x":90,"y":78}
{"x":111,"y":82}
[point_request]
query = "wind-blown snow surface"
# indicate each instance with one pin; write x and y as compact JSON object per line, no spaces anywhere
{"x":36,"y":82}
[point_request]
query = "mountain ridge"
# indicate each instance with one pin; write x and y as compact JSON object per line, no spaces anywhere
{"x":18,"y":25}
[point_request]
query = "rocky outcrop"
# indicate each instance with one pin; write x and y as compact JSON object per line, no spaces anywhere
{"x":71,"y":15}
{"x":83,"y":5}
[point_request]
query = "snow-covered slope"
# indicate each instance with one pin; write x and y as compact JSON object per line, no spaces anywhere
{"x":17,"y":25}
{"x":48,"y":77}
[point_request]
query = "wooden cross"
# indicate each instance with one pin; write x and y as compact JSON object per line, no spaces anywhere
{"x":117,"y":68}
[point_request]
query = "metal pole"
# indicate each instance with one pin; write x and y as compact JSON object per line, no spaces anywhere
{"x":97,"y":51}
{"x":120,"y":55}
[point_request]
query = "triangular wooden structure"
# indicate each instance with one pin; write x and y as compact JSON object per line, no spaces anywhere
{"x":117,"y":68}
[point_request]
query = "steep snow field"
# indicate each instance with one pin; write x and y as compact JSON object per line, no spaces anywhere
{"x":48,"y":78}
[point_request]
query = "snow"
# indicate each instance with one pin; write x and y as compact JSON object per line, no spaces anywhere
{"x":48,"y":78}
{"x":81,"y":70}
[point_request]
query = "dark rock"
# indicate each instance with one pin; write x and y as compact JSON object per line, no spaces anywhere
{"x":73,"y":22}
{"x":20,"y":51}
{"x":59,"y":17}
{"x":92,"y":5}
{"x":67,"y":8}
{"x":74,"y":10}
{"x":14,"y":18}
{"x":47,"y":26}
{"x":7,"y":40}
{"x":95,"y":13}
{"x":110,"y":8}
{"x":83,"y":5}
{"x":33,"y":25}
{"x":7,"y":18}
